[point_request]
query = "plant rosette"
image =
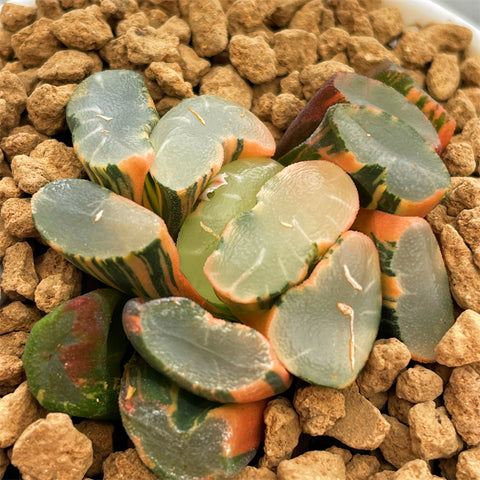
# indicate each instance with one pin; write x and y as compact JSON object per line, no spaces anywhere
{"x":206,"y":229}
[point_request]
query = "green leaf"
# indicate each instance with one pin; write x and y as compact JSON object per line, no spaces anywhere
{"x":180,"y":436}
{"x":232,"y":191}
{"x":394,"y":169}
{"x":192,"y":141}
{"x":111,"y":116}
{"x":356,"y":89}
{"x":73,"y":356}
{"x":417,"y":305}
{"x":219,"y":360}
{"x":323,"y":330}
{"x":117,"y":241}
{"x":299,"y":214}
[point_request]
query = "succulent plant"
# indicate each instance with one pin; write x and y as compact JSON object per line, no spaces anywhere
{"x":217,"y":359}
{"x":393,"y":167}
{"x":181,"y":436}
{"x":73,"y":356}
{"x":399,"y":79}
{"x":356,"y":89}
{"x":111,"y":116}
{"x":108,"y":236}
{"x":299,"y":214}
{"x":250,"y":241}
{"x":417,"y":305}
{"x":323,"y":329}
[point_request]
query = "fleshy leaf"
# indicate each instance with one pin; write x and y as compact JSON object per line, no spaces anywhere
{"x":356,"y":89}
{"x":73,"y":356}
{"x":323,"y":330}
{"x":192,"y":141}
{"x":180,"y":436}
{"x":399,"y":79}
{"x":394,"y":169}
{"x":417,"y":305}
{"x":111,"y":116}
{"x":232,"y":191}
{"x":216,"y":359}
{"x":117,"y":241}
{"x":299,"y":214}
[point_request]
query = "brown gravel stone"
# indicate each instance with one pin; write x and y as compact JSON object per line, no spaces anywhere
{"x":137,"y":19}
{"x":468,"y":464}
{"x":313,"y":464}
{"x":318,"y":408}
{"x":398,"y":407}
{"x":17,"y":411}
{"x":170,"y":79}
{"x":366,"y":53}
{"x":463,"y":274}
{"x":253,"y":58}
{"x":101,"y":436}
{"x":17,"y":215}
{"x":252,"y":473}
{"x":178,"y":28}
{"x":387,"y":23}
{"x":4,"y":462}
{"x":12,"y":91}
{"x":417,"y":469}
{"x":21,"y":141}
{"x":225,"y":82}
{"x":66,"y":66}
{"x":53,"y":448}
{"x":116,"y":55}
{"x":459,"y":158}
{"x":314,"y":76}
{"x":247,"y":16}
{"x":461,"y":344}
{"x":46,"y":107}
{"x":83,"y":29}
{"x":13,"y":343}
{"x":208,"y":23}
{"x":6,"y":240}
{"x":294,"y":49}
{"x":18,"y":317}
{"x":36,"y":43}
{"x":443,"y":76}
{"x":14,"y":17}
{"x":419,"y":384}
{"x":332,"y":41}
{"x":193,"y":67}
{"x":460,"y":108}
{"x":146,"y":45}
{"x":465,"y":193}
{"x":313,"y":17}
{"x":19,"y":278}
{"x":413,"y":50}
{"x":8,"y":190}
{"x":282,"y":431}
{"x":11,"y":371}
{"x":284,"y":11}
{"x":52,"y":291}
{"x":397,"y":446}
{"x":285,"y":108}
{"x":387,"y":359}
{"x":50,"y":160}
{"x":363,"y":426}
{"x":473,"y":93}
{"x":362,"y":467}
{"x":432,"y":432}
{"x":462,"y":400}
{"x":126,"y":465}
{"x":447,"y":37}
{"x":470,"y":70}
